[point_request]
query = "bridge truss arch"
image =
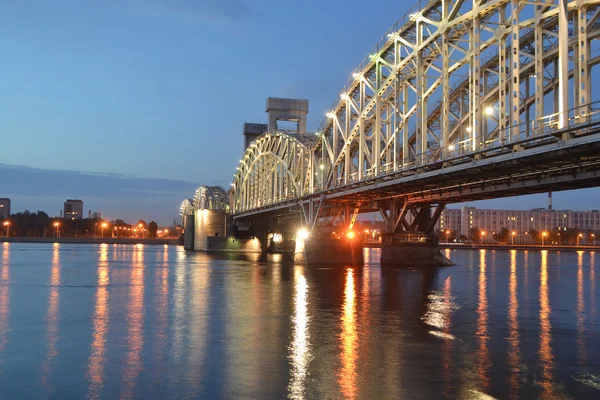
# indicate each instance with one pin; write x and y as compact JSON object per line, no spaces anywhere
{"x":277,"y":166}
{"x":454,"y":85}
{"x":211,"y":198}
{"x":186,"y":209}
{"x":459,"y":77}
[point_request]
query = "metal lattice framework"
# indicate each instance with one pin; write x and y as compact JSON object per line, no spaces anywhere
{"x":211,"y":198}
{"x":187,"y":208}
{"x":453,"y":78}
{"x":275,"y":167}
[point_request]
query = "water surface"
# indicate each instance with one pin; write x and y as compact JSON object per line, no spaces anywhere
{"x":123,"y":321}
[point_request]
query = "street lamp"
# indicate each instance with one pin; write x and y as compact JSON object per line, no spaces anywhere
{"x":481,"y":238}
{"x":104,"y":225}
{"x":543,"y":236}
{"x":593,"y":239}
{"x":56,"y":225}
{"x":579,"y":237}
{"x":513,"y":237}
{"x":7,"y":225}
{"x":447,"y":232}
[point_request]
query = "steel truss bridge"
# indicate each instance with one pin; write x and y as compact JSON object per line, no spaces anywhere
{"x":460,"y":100}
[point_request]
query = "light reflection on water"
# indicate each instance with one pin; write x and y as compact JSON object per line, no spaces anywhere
{"x":514,"y":359}
{"x":483,"y":360}
{"x":4,"y":301}
{"x":135,"y":317}
{"x":299,"y":350}
{"x":546,"y":352}
{"x":157,"y":322}
{"x":348,"y":339}
{"x":100,"y":321}
{"x":52,"y":318}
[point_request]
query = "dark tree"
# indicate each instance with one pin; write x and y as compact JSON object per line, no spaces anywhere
{"x":502,"y":236}
{"x":152,"y":229}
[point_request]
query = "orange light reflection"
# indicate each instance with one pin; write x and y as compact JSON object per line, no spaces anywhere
{"x":580,"y":312}
{"x":593,"y":283}
{"x":483,"y":357}
{"x":545,"y":352}
{"x":349,"y":340}
{"x":4,"y":300}
{"x":514,"y":359}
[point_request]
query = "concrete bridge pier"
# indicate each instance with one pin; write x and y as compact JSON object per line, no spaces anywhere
{"x":325,"y":246}
{"x":410,"y":239}
{"x":188,"y":232}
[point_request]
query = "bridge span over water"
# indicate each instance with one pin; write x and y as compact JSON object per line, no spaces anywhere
{"x":459,"y":101}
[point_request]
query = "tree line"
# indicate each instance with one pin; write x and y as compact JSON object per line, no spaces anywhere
{"x":39,"y":224}
{"x":557,"y":236}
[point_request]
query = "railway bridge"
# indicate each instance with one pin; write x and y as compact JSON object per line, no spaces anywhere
{"x":459,"y":101}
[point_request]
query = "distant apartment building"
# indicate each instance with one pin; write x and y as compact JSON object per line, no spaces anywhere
{"x":73,"y":209}
{"x":462,"y":220}
{"x":4,"y":208}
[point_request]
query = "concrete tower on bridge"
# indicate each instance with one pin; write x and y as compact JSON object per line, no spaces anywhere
{"x":290,"y":110}
{"x":252,"y":131}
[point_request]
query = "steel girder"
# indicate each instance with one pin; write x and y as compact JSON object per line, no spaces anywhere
{"x":277,"y":166}
{"x":187,"y":208}
{"x":451,"y":80}
{"x":476,"y":65}
{"x":211,"y":198}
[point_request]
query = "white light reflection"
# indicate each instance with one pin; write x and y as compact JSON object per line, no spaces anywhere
{"x":100,"y":326}
{"x":135,"y":316}
{"x":300,"y":348}
{"x":4,"y":299}
{"x":52,"y":318}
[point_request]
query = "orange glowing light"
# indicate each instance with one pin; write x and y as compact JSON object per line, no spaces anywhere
{"x":350,"y":235}
{"x":104,"y":225}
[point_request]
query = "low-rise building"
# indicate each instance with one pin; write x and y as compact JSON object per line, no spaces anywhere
{"x":73,"y":209}
{"x":4,"y":208}
{"x":460,"y":221}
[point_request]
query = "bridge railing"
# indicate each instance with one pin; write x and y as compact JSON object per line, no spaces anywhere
{"x":381,"y":44}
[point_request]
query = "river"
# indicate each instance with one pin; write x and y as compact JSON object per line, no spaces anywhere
{"x":131,"y":321}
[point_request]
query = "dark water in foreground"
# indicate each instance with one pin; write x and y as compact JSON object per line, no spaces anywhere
{"x":121,"y":321}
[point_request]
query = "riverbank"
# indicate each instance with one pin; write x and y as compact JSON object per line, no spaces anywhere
{"x":489,"y":246}
{"x":87,"y":240}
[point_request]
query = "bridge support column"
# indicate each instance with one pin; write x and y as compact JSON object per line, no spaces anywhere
{"x":189,"y":232}
{"x":410,"y":239}
{"x":325,"y":247}
{"x":410,"y":254}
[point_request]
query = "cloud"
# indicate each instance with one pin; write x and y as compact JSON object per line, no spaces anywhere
{"x":223,"y":10}
{"x":116,"y":195}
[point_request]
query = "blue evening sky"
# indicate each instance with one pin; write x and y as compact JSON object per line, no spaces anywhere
{"x":160,"y":89}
